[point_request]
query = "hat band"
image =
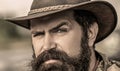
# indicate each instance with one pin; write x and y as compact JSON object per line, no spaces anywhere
{"x":50,"y":8}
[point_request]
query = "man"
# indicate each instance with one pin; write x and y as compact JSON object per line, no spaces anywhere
{"x":64,"y":34}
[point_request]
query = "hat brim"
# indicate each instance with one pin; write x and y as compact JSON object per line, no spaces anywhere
{"x":103,"y":10}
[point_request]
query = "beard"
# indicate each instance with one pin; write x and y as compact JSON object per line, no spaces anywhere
{"x":66,"y":63}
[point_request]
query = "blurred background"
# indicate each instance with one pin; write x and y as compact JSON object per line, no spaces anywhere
{"x":15,"y":41}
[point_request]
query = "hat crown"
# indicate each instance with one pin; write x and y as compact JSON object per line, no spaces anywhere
{"x":46,"y":3}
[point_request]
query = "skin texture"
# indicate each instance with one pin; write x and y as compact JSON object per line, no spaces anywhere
{"x":62,"y":32}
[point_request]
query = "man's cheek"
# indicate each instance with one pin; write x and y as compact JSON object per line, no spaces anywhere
{"x":37,"y":48}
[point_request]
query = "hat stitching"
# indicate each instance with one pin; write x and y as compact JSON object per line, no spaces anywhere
{"x":51,"y":8}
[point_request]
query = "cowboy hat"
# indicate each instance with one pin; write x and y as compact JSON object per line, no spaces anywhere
{"x":103,"y":10}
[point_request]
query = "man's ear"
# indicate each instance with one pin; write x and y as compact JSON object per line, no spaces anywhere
{"x":92,"y":34}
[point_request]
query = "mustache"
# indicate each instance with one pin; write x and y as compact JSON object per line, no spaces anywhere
{"x":51,"y":54}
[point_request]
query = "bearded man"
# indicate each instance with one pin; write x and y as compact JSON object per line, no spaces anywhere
{"x":64,"y":34}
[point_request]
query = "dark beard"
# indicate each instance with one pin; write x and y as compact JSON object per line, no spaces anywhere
{"x":80,"y":63}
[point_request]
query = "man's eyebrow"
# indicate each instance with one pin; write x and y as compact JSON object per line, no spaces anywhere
{"x":58,"y":26}
{"x":38,"y":32}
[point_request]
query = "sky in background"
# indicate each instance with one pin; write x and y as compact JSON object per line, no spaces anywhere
{"x":17,"y":7}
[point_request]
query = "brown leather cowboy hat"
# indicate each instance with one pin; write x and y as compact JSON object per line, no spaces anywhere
{"x":103,"y":10}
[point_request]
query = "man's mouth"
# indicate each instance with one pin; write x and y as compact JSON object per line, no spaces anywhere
{"x":52,"y":61}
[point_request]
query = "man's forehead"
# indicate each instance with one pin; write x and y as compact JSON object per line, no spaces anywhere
{"x":51,"y":21}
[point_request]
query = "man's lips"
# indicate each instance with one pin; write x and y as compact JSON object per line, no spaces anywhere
{"x":51,"y":61}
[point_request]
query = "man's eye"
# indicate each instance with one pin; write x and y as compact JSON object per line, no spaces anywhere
{"x":61,"y":30}
{"x":38,"y":34}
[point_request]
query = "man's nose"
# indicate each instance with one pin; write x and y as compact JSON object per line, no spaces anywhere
{"x":48,"y":42}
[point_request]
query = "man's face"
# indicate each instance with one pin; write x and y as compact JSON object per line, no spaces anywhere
{"x":60,"y":31}
{"x":60,"y":34}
